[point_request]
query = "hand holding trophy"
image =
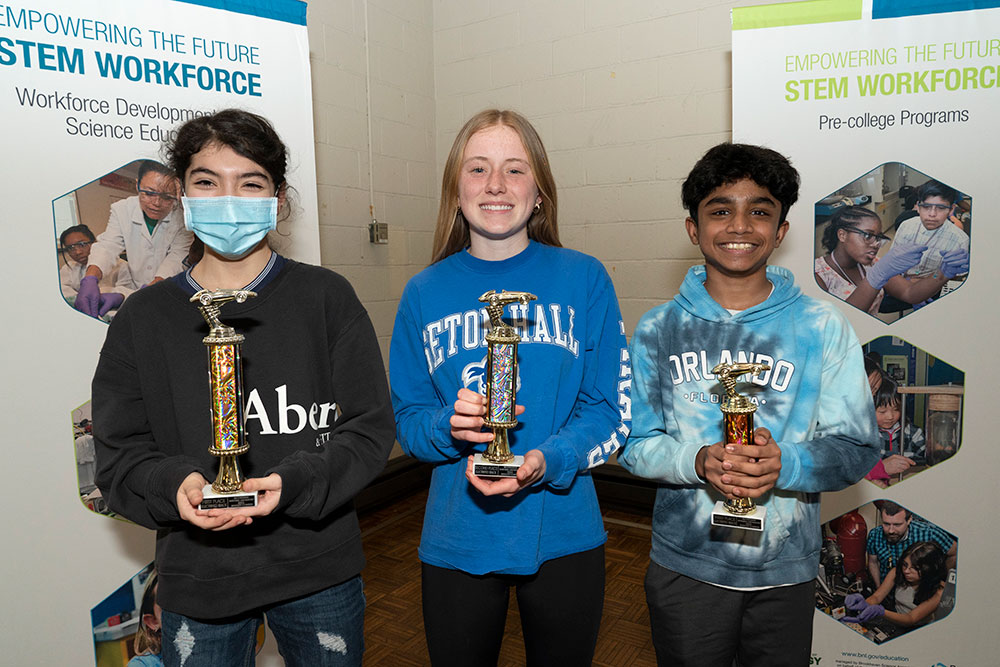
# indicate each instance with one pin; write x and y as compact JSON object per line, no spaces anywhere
{"x":737,"y":411}
{"x":501,"y":386}
{"x":225,"y":376}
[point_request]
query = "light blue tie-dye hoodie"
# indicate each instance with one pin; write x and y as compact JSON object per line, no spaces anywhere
{"x":815,"y":400}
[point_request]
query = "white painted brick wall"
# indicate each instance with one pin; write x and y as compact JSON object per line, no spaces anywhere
{"x":626,"y":94}
{"x":403,"y":136}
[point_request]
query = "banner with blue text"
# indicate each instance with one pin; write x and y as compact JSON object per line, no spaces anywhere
{"x":90,"y":90}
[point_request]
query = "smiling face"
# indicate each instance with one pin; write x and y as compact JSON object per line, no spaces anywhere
{"x":738,"y":228}
{"x":496,"y":192}
{"x":854,"y":244}
{"x":218,"y":171}
{"x":934,"y":211}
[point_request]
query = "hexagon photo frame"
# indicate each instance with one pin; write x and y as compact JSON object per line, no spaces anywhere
{"x":885,"y":571}
{"x":892,"y":241}
{"x":918,"y":401}
{"x":125,"y":228}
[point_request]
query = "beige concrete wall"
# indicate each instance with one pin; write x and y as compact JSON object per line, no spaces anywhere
{"x":401,"y":65}
{"x":626,"y":95}
{"x":379,"y":99}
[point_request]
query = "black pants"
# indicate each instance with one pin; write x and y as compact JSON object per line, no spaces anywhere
{"x":696,"y":624}
{"x":560,"y":607}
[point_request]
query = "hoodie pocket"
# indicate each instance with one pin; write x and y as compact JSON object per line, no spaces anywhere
{"x":682,"y":519}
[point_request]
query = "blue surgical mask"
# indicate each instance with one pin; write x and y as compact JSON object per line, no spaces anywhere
{"x":231,"y":226}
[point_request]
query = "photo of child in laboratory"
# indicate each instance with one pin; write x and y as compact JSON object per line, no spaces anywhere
{"x":85,"y":455}
{"x":892,"y":241}
{"x":884,"y":571}
{"x":126,"y":624}
{"x":918,"y":403}
{"x":117,"y":234}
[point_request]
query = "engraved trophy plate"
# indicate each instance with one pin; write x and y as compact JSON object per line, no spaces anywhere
{"x":483,"y":468}
{"x":737,"y":415}
{"x":501,"y":387}
{"x":225,"y":376}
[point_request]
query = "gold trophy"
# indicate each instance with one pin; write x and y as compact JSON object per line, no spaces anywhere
{"x":737,"y":412}
{"x":225,"y":376}
{"x":501,"y":386}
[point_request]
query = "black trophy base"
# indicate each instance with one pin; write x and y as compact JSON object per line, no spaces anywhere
{"x":226,"y":501}
{"x":483,"y":468}
{"x":752,"y":521}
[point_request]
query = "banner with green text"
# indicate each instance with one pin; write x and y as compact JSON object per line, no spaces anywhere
{"x":888,"y":109}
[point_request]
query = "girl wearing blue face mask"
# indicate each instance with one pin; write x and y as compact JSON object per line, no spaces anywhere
{"x":317,"y":415}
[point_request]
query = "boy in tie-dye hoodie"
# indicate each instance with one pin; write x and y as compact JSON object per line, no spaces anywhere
{"x":717,"y":593}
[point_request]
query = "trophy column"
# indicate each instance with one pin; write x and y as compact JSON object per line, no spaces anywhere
{"x":225,"y":376}
{"x":501,"y":387}
{"x":737,"y":421}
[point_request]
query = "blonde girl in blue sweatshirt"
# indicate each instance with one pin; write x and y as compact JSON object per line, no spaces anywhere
{"x":540,"y":532}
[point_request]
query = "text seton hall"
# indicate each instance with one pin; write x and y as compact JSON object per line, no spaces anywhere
{"x":550,"y":324}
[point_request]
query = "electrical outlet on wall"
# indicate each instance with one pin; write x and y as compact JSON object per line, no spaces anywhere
{"x":378,"y":232}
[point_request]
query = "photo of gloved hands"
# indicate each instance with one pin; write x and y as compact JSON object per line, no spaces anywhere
{"x":864,"y":612}
{"x":92,"y":301}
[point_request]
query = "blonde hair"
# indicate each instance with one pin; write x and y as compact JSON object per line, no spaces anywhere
{"x":147,"y":640}
{"x":451,"y":234}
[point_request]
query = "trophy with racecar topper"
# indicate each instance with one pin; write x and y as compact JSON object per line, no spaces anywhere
{"x":737,"y":419}
{"x":225,"y":376}
{"x":501,"y":386}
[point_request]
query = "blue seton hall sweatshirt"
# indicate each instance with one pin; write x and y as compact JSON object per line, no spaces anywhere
{"x":574,"y":381}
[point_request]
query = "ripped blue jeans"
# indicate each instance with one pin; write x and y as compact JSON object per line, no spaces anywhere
{"x":325,"y":629}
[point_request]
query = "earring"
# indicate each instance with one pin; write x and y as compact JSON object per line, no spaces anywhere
{"x":538,"y":207}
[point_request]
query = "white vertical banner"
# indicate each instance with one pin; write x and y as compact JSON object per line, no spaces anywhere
{"x":872,"y":100}
{"x":87,"y":89}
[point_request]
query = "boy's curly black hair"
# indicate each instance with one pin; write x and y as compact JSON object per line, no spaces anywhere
{"x":728,"y":163}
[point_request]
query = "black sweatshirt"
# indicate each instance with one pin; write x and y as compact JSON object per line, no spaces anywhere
{"x":318,"y":414}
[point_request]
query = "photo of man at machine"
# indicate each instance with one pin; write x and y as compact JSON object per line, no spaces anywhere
{"x":885,"y":572}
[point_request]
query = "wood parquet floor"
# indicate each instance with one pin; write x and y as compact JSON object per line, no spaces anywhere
{"x":394,"y":630}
